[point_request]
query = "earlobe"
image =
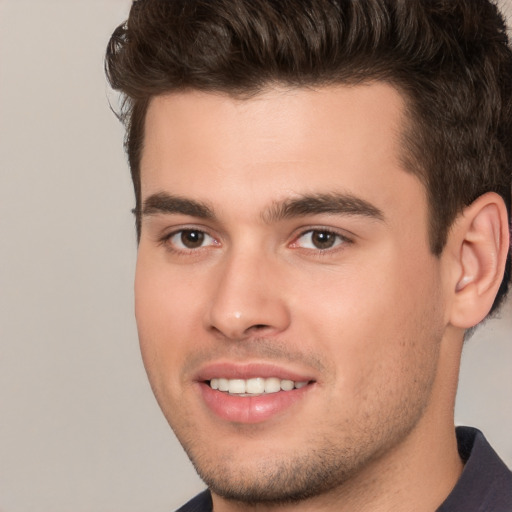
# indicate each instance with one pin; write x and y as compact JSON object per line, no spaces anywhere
{"x":481,"y":236}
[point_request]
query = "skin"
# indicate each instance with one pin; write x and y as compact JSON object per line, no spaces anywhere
{"x":367,"y":320}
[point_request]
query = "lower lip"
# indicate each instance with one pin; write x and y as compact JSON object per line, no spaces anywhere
{"x":250,"y":409}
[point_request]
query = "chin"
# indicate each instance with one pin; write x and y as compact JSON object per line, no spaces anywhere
{"x":280,"y":479}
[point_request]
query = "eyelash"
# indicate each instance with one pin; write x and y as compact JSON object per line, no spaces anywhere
{"x":340,"y":240}
{"x":166,"y":240}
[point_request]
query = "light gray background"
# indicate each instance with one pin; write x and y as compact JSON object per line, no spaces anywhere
{"x":79,"y":428}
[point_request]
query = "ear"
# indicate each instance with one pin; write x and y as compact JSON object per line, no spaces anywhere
{"x":478,"y":242}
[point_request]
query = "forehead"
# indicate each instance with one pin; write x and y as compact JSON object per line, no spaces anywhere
{"x":294,"y":140}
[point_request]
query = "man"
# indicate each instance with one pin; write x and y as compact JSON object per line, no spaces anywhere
{"x":323,"y":194}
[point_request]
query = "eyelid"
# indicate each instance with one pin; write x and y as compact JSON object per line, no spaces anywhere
{"x":165,"y":239}
{"x":342,"y":236}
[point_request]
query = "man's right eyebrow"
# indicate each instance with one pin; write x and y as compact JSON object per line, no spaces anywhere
{"x":165,"y":203}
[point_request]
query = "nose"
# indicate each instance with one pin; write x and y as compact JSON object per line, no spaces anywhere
{"x":248,"y":298}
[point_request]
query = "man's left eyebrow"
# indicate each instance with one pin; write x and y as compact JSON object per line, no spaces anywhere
{"x":332,"y":203}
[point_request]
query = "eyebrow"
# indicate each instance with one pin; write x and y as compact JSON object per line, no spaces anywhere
{"x":332,"y":203}
{"x":166,"y":203}
{"x":302,"y":206}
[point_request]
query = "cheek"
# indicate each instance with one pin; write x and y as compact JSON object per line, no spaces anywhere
{"x":166,"y":310}
{"x":167,"y":298}
{"x":375,"y":322}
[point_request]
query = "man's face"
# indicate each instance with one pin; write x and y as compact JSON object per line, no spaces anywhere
{"x":284,"y":259}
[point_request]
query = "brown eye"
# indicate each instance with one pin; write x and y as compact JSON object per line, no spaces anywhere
{"x":190,"y":239}
{"x":319,"y":239}
{"x":323,"y":239}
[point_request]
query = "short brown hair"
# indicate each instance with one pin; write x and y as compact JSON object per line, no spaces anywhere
{"x":449,"y":58}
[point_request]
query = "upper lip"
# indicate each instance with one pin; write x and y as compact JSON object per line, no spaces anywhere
{"x":231,"y":370}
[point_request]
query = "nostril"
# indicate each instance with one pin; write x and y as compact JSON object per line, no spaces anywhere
{"x":257,"y":328}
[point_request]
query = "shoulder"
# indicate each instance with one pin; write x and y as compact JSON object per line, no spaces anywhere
{"x":485,"y":483}
{"x":201,"y":503}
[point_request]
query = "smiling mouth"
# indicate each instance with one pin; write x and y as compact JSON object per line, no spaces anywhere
{"x":256,"y":386}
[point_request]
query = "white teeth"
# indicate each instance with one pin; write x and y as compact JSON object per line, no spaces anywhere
{"x":272,"y":385}
{"x":255,"y":386}
{"x":236,"y":386}
{"x":287,"y":385}
{"x":223,"y":385}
